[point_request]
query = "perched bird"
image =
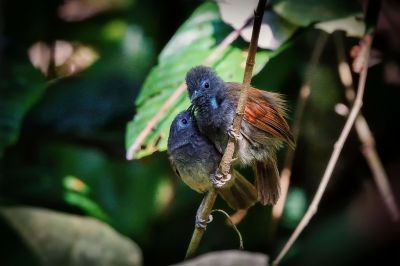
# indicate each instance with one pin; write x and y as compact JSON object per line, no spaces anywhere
{"x":263,"y":129}
{"x":194,"y":158}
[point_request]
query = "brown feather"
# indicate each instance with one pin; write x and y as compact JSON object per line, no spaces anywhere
{"x":267,"y":115}
{"x":266,"y":111}
{"x":267,"y":181}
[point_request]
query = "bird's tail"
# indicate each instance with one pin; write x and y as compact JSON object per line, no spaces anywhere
{"x":267,"y":181}
{"x":239,"y":193}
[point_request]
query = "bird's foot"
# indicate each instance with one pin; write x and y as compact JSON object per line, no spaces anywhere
{"x":233,"y":134}
{"x":220,"y":179}
{"x":201,"y":223}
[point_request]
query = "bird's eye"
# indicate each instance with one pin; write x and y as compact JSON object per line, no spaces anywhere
{"x":205,"y":84}
{"x":184,"y":121}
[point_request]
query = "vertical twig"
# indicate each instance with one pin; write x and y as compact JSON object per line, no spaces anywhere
{"x":312,"y":209}
{"x":208,"y":202}
{"x":364,"y":133}
{"x":304,"y":94}
{"x":225,"y":165}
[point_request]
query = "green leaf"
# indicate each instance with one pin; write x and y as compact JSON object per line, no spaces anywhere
{"x":196,"y":39}
{"x":19,"y":91}
{"x":77,"y":194}
{"x":351,"y":25}
{"x":89,"y":206}
{"x":305,"y":12}
{"x":64,"y":239}
{"x":74,"y":184}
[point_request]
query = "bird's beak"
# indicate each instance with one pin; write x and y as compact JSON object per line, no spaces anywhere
{"x":195,"y":95}
{"x":190,"y":109}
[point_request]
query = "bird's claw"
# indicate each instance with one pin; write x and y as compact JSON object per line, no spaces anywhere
{"x":233,"y":134}
{"x":201,"y":223}
{"x":219,"y":180}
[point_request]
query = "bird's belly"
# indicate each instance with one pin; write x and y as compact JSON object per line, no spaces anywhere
{"x":199,"y":182}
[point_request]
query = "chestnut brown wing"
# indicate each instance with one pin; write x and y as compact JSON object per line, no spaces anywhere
{"x":265,"y":111}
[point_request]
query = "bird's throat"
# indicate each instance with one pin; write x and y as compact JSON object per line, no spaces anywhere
{"x":213,"y":102}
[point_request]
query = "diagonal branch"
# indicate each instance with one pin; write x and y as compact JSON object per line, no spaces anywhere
{"x":365,"y":135}
{"x":208,"y":202}
{"x":312,"y":209}
{"x":203,"y":212}
{"x":177,"y":93}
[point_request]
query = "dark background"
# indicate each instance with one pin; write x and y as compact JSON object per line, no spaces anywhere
{"x":70,"y":127}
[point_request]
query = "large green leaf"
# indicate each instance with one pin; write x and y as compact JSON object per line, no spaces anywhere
{"x":197,"y":38}
{"x":64,"y":239}
{"x":306,"y":12}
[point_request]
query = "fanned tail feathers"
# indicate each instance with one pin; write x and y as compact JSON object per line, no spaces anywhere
{"x":267,"y":181}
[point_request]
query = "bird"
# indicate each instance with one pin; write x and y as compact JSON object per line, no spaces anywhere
{"x":194,"y":158}
{"x":263,"y":129}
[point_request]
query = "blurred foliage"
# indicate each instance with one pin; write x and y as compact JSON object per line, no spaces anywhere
{"x":295,"y":207}
{"x":106,"y":246}
{"x":20,"y":88}
{"x":305,"y":12}
{"x":63,"y":131}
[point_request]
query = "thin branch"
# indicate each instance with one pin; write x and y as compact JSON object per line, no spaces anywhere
{"x":226,"y":160}
{"x":225,"y":165}
{"x":304,"y":94}
{"x":365,"y":135}
{"x":203,"y":212}
{"x":233,"y":225}
{"x":312,"y":209}
{"x":177,"y":93}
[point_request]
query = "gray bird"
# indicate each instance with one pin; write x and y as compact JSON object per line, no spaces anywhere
{"x":263,"y":129}
{"x":194,"y":159}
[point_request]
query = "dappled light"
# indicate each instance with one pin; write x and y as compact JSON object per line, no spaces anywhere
{"x":63,"y":57}
{"x":77,"y":10}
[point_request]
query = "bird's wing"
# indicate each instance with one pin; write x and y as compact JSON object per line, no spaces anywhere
{"x":265,"y":111}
